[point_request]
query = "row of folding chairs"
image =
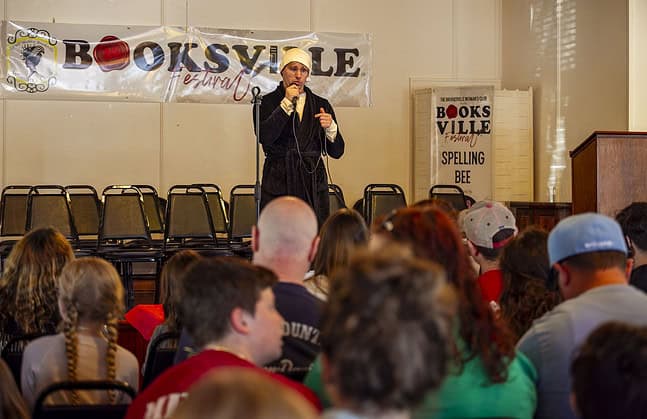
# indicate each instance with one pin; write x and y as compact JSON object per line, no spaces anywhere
{"x":76,"y":210}
{"x":197,"y":211}
{"x":128,"y":225}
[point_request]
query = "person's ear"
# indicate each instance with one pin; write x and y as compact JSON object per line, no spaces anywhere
{"x":255,"y":238}
{"x":313,"y":249}
{"x":239,"y":321}
{"x":629,"y":266}
{"x":563,"y":276}
{"x":471,"y":248}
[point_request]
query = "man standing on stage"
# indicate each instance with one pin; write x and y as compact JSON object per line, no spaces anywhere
{"x":297,"y":128}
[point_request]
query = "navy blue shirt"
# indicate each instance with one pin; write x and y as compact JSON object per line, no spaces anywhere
{"x":302,"y":312}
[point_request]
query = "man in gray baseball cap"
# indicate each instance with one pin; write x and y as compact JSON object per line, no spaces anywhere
{"x":589,"y":256}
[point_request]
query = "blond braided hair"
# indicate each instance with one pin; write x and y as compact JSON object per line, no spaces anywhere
{"x":71,"y":344}
{"x":111,"y":353}
{"x":90,"y":290}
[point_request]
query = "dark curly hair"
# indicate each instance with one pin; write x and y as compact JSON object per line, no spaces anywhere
{"x":386,"y":328}
{"x":434,"y":236}
{"x":526,"y":295}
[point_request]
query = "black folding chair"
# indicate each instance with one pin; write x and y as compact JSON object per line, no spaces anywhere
{"x":242,"y":212}
{"x":381,"y":199}
{"x":160,"y":356}
{"x":13,"y":350}
{"x":190,"y":224}
{"x":13,"y":217}
{"x":452,"y":194}
{"x":98,"y":411}
{"x":125,"y":238}
{"x":242,"y":217}
{"x":49,"y":206}
{"x":152,"y":208}
{"x":336,"y":198}
{"x":13,"y":210}
{"x":217,"y":206}
{"x":86,"y":209}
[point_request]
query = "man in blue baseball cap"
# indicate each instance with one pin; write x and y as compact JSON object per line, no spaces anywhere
{"x":589,"y":255}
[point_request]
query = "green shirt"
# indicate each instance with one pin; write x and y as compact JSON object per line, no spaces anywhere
{"x":468,"y":394}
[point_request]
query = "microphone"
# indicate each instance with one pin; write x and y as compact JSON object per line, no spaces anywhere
{"x":294,"y":99}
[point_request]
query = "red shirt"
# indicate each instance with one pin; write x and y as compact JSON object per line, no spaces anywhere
{"x":160,"y":398}
{"x":491,"y":284}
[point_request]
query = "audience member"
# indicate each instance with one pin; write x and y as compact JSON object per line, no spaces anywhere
{"x":342,"y":233}
{"x":170,"y":297}
{"x":235,"y":393}
{"x":285,"y":241}
{"x":488,"y":227}
{"x":485,"y":368}
{"x":228,"y":309}
{"x":385,"y":334}
{"x":441,"y":204}
{"x":633,"y":220}
{"x":28,"y":286}
{"x":526,"y":295}
{"x":12,"y":405}
{"x":609,"y":373}
{"x":91,"y":303}
{"x":589,"y":254}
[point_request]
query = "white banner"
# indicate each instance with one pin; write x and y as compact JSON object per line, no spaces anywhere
{"x":171,"y":64}
{"x":462,"y":140}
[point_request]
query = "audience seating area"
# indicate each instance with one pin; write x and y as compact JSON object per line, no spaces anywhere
{"x":136,"y":228}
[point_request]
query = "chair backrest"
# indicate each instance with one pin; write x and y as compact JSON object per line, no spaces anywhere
{"x":13,"y":350}
{"x":242,"y":208}
{"x":86,"y":208}
{"x":381,"y":199}
{"x":160,"y":356}
{"x":13,"y":210}
{"x":452,"y":194}
{"x":336,"y":198}
{"x":188,"y":215}
{"x":43,"y":411}
{"x":217,"y":205}
{"x":122,"y":215}
{"x":152,"y":208}
{"x":49,"y":206}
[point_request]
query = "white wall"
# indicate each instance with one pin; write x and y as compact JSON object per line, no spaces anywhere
{"x":574,"y":55}
{"x":103,"y":143}
{"x":637,"y":65}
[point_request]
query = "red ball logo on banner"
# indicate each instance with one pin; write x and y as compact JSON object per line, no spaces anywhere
{"x":112,"y":53}
{"x":452,"y":112}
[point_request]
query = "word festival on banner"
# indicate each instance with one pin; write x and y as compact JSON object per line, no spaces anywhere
{"x":169,"y":64}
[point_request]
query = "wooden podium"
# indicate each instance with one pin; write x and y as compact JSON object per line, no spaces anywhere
{"x":609,"y":172}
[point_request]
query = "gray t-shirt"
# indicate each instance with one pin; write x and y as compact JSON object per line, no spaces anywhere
{"x":44,"y":363}
{"x":553,"y":339}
